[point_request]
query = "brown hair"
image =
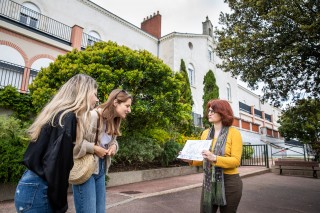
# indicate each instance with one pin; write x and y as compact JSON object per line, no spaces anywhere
{"x":108,"y":113}
{"x":223,"y":108}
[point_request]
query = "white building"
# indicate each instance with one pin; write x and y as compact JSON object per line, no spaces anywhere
{"x":34,"y":32}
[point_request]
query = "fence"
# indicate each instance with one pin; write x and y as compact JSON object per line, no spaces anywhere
{"x":17,"y":76}
{"x":255,"y":155}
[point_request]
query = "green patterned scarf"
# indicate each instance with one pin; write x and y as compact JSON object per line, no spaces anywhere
{"x":213,"y":183}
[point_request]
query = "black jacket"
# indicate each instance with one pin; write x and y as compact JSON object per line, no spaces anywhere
{"x":51,"y":157}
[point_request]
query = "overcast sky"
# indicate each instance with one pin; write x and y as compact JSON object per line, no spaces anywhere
{"x":184,"y":16}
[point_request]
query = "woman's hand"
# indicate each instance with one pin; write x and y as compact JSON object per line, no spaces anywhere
{"x":209,"y":156}
{"x":99,"y":151}
{"x":112,"y":150}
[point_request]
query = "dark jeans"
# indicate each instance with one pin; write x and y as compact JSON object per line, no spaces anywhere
{"x":233,"y":190}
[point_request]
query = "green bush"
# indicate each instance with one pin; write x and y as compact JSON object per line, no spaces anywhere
{"x":20,"y":103}
{"x":156,"y":89}
{"x":13,"y":143}
{"x":137,"y":149}
{"x":160,"y":135}
{"x":247,"y":152}
{"x":170,"y":152}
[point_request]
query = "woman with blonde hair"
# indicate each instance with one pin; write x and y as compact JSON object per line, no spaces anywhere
{"x":49,"y":156}
{"x":90,"y":196}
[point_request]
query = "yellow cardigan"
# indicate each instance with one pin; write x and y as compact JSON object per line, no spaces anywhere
{"x":232,"y":156}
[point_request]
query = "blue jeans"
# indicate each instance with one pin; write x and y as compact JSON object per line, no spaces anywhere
{"x":91,"y":195}
{"x":31,"y":194}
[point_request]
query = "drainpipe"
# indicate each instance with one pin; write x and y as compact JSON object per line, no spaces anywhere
{"x":158,"y":48}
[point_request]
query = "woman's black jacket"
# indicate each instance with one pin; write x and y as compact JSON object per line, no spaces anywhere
{"x":51,"y":158}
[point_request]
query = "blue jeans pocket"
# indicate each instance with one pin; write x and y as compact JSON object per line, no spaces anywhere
{"x":24,"y":196}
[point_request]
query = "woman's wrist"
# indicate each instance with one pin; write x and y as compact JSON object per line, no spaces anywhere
{"x":214,"y":158}
{"x":113,"y":145}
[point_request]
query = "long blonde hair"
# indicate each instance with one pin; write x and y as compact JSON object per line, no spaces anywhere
{"x":108,"y":112}
{"x":73,"y":96}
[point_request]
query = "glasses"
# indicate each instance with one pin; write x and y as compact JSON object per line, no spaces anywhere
{"x":211,"y":111}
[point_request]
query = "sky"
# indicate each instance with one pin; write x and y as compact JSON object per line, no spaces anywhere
{"x":183,"y":16}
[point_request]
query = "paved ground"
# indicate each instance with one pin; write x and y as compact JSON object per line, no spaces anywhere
{"x":262,"y":193}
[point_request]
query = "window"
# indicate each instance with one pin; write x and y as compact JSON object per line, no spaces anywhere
{"x":93,"y":38}
{"x":29,"y":14}
{"x":228,"y":92}
{"x":191,"y":74}
{"x":210,"y":54}
{"x":23,"y":18}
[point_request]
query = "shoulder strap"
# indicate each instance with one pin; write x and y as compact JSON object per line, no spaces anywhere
{"x":97,"y":131}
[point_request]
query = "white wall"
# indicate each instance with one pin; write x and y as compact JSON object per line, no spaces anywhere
{"x":11,"y":55}
{"x":92,"y":17}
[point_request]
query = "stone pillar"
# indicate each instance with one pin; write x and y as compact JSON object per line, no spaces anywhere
{"x":252,"y":113}
{"x":25,"y":80}
{"x":76,"y":37}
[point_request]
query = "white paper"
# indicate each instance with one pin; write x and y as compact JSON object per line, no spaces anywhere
{"x":193,"y":148}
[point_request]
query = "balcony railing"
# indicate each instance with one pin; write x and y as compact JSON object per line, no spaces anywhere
{"x":32,"y":19}
{"x":15,"y":75}
{"x":88,"y":40}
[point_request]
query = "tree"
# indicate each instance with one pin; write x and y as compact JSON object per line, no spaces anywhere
{"x":273,"y":42}
{"x":210,"y":91}
{"x":186,"y":95}
{"x":156,"y":90}
{"x":302,"y":122}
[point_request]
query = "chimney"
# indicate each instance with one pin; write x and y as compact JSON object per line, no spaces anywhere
{"x":152,"y":25}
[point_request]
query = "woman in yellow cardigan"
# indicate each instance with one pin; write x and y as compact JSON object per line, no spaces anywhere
{"x":222,"y":185}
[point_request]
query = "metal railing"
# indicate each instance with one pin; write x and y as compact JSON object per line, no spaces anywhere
{"x":32,"y":19}
{"x":88,"y":40}
{"x":13,"y":74}
{"x":255,"y":155}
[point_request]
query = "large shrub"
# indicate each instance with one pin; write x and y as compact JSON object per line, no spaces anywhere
{"x":19,"y":103}
{"x":157,"y":92}
{"x":170,"y":152}
{"x":210,"y":91}
{"x":13,"y":143}
{"x":155,"y":88}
